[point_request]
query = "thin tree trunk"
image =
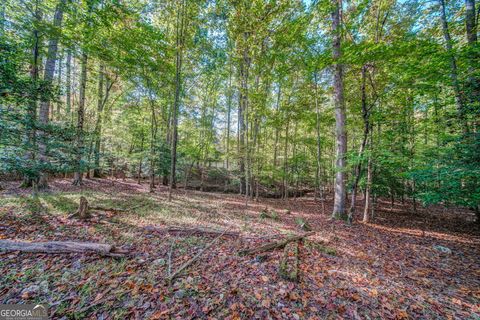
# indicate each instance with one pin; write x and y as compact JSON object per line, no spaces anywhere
{"x":294,"y":156}
{"x":229,"y":108}
{"x":30,"y":137}
{"x":2,"y":18}
{"x":153,"y":134}
{"x":340,"y":135}
{"x":277,"y":108}
{"x":285,"y":162}
{"x":319,"y":150}
{"x":139,"y":171}
{"x":473,"y":83}
{"x":459,"y":98}
{"x":242,"y":122}
{"x":45,"y":101}
{"x":68,"y":109}
{"x":77,"y":178}
{"x":368,"y":188}
{"x":178,"y":83}
{"x":98,"y":124}
{"x":59,"y":83}
{"x":366,"y":128}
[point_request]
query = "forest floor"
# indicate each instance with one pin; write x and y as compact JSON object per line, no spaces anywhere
{"x":392,"y":268}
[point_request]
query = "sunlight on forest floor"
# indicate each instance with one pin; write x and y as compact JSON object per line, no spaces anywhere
{"x":378,"y":270}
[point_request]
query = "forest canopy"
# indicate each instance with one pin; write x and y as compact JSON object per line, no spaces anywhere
{"x":262,"y":98}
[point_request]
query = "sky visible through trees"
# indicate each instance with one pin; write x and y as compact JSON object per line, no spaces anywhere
{"x":271,"y":97}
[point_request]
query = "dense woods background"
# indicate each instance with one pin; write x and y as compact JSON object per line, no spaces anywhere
{"x":263,"y":98}
{"x":240,"y":159}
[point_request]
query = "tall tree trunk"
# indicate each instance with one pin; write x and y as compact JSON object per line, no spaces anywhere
{"x":285,"y":161}
{"x":340,"y":135}
{"x":242,"y":114}
{"x":277,"y":108}
{"x":68,"y":94}
{"x":470,"y":22}
{"x":246,"y":121}
{"x":45,"y":101}
{"x":59,"y":83}
{"x":229,"y":109}
{"x":366,"y":128}
{"x":459,"y":98}
{"x":2,"y":17}
{"x":98,"y":124}
{"x":178,"y":82}
{"x":368,"y":188}
{"x":139,"y":171}
{"x":30,"y":138}
{"x":473,"y":83}
{"x":78,"y":175}
{"x":153,"y":135}
{"x":319,"y":149}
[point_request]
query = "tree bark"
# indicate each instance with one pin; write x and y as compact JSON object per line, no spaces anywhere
{"x":459,"y":98}
{"x":285,"y":161}
{"x":340,"y":135}
{"x":277,"y":108}
{"x":473,"y":82}
{"x":368,"y":188}
{"x":59,"y":83}
{"x":274,"y":245}
{"x":178,"y":84}
{"x":153,"y":135}
{"x":31,"y":116}
{"x":366,"y":129}
{"x":45,"y":101}
{"x":229,"y":109}
{"x":288,"y":265}
{"x":242,"y":121}
{"x":319,"y":149}
{"x":98,"y":123}
{"x":78,"y":175}
{"x":60,"y":247}
{"x":68,"y":95}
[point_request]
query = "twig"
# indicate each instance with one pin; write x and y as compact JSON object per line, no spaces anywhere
{"x":169,"y":270}
{"x":189,"y":262}
{"x":274,"y":245}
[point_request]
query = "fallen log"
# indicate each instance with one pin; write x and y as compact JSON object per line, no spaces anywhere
{"x":288,"y":267}
{"x":265,"y":214}
{"x":320,"y":248}
{"x":176,"y":229}
{"x":192,"y":231}
{"x":303,"y":224}
{"x":195,"y":258}
{"x":274,"y":245}
{"x":61,"y":247}
{"x":101,"y":208}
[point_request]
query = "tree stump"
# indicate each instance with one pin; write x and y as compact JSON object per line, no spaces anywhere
{"x":82,"y":212}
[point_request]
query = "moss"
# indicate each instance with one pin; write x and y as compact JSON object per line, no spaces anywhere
{"x":340,"y":216}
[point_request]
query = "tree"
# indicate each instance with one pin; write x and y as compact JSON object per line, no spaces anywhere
{"x":45,"y":99}
{"x":340,"y":135}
